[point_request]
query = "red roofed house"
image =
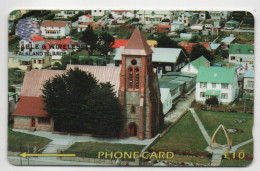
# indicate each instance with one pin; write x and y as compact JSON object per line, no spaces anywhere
{"x":135,"y":82}
{"x":86,"y":18}
{"x":55,"y":29}
{"x":188,"y":46}
{"x":119,"y":42}
{"x":29,"y":113}
{"x":29,"y":44}
{"x":122,"y":13}
{"x":84,"y":25}
{"x":163,"y":28}
{"x":59,"y":48}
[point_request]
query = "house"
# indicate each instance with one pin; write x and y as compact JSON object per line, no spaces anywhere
{"x":133,"y":91}
{"x":231,"y":25}
{"x":189,"y":80}
{"x":186,"y":36}
{"x":166,"y":99}
{"x":193,"y":66}
{"x":10,"y":26}
{"x":122,"y":13}
{"x":55,"y":29}
{"x":82,"y":26}
{"x":12,"y":100}
{"x":202,"y":15}
{"x":177,"y":26}
{"x":215,"y":48}
{"x":86,"y":18}
{"x":32,"y":44}
{"x":59,"y":48}
{"x":188,"y":46}
{"x":228,"y":40}
{"x":119,"y":42}
{"x":153,"y":17}
{"x":29,"y":113}
{"x":217,"y":23}
{"x":249,"y":80}
{"x":27,"y":27}
{"x":239,"y":53}
{"x":99,"y":12}
{"x":164,"y":59}
{"x":15,"y":14}
{"x":26,"y":62}
{"x":216,"y":15}
{"x":163,"y":28}
{"x":175,"y":87}
{"x":197,"y":28}
{"x":66,"y":13}
{"x":185,"y":18}
{"x":220,"y":82}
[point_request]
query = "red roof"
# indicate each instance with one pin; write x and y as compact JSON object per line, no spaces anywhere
{"x":63,"y":42}
{"x":164,"y":26}
{"x":121,"y":10}
{"x":119,"y":42}
{"x":188,"y":46}
{"x":30,"y":106}
{"x":89,"y":16}
{"x":36,"y":38}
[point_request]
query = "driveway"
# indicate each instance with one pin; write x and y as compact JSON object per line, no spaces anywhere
{"x":180,"y":107}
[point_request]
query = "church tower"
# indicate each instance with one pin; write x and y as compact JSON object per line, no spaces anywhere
{"x":139,"y":91}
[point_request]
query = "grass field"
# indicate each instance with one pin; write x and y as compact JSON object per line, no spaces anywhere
{"x":91,"y":149}
{"x":211,"y":120}
{"x":17,"y":138}
{"x":235,"y":163}
{"x":185,"y":136}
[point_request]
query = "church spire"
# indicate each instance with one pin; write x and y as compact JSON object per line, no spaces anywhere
{"x":137,"y":45}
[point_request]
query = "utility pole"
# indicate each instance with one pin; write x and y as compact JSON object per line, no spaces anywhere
{"x":245,"y":102}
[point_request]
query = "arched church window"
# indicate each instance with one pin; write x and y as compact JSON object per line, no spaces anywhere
{"x":130,"y":72}
{"x":136,"y":78}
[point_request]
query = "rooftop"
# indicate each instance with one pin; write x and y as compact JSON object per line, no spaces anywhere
{"x":216,"y":75}
{"x":241,"y":49}
{"x":48,"y":23}
{"x":199,"y":62}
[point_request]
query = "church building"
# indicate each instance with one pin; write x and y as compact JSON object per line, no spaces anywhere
{"x":135,"y":83}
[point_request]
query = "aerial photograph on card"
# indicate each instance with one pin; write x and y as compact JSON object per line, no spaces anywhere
{"x":127,"y":88}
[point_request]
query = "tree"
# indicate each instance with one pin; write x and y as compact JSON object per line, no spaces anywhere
{"x":90,"y":39}
{"x":165,"y":41}
{"x":166,"y":20}
{"x":78,"y":103}
{"x":195,"y":38}
{"x":135,"y":20}
{"x":212,"y":101}
{"x":207,"y":15}
{"x":69,"y":59}
{"x":198,"y":50}
{"x":105,"y":43}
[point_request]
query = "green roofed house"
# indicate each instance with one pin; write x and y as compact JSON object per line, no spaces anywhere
{"x":241,"y":53}
{"x":231,"y":24}
{"x":193,"y":66}
{"x":221,"y":82}
{"x":15,"y":14}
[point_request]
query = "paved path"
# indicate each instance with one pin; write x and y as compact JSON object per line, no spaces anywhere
{"x":234,"y":148}
{"x":50,"y":161}
{"x":70,"y":139}
{"x":216,"y":159}
{"x":202,"y":129}
{"x":180,"y":107}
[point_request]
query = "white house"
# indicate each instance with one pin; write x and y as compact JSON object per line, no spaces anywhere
{"x":66,"y":13}
{"x":193,"y":67}
{"x":249,"y":80}
{"x":32,"y":44}
{"x":217,"y":81}
{"x":202,"y":15}
{"x":197,"y":28}
{"x":55,"y":29}
{"x":239,"y":53}
{"x":122,"y":13}
{"x":153,"y":17}
{"x":185,"y":17}
{"x":86,"y":18}
{"x":216,"y":15}
{"x":177,"y":26}
{"x":99,"y":12}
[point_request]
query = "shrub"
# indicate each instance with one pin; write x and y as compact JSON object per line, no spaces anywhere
{"x":212,"y":101}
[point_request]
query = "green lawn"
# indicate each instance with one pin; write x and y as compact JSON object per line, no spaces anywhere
{"x":91,"y":149}
{"x":15,"y":138}
{"x":235,"y":163}
{"x":247,"y":149}
{"x":185,"y":136}
{"x":211,"y":120}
